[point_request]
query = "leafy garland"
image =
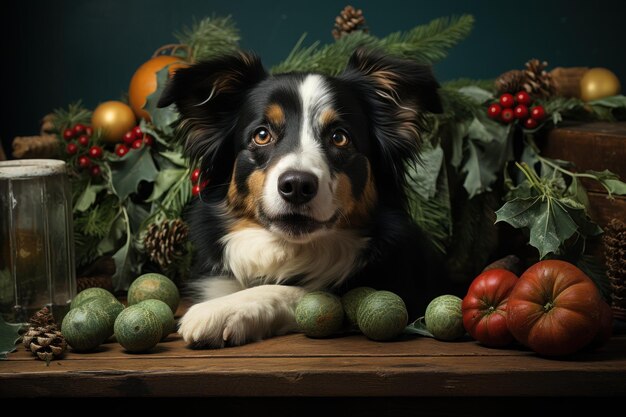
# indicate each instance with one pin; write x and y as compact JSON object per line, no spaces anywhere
{"x":151,"y":185}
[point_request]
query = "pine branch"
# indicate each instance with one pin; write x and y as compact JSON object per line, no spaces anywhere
{"x":457,"y":106}
{"x":425,"y":44}
{"x":429,"y":43}
{"x":75,"y":113}
{"x":97,"y":222}
{"x":210,"y":37}
{"x":468,"y":82}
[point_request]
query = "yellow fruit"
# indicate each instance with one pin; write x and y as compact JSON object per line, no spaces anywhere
{"x":144,"y":81}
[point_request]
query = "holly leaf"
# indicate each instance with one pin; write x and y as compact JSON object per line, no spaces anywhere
{"x":123,"y":259}
{"x":550,"y":221}
{"x":488,"y":148}
{"x":164,"y":181}
{"x":418,"y":327}
{"x":88,"y":196}
{"x":162,"y":118}
{"x":429,"y":198}
{"x":422,"y":176}
{"x":128,"y":171}
{"x":610,"y":181}
{"x":476,"y":93}
{"x":9,"y":336}
{"x":612,"y":102}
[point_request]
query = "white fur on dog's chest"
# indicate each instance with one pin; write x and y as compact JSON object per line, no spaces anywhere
{"x":256,"y":256}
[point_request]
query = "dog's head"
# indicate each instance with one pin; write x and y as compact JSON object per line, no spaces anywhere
{"x":304,"y":153}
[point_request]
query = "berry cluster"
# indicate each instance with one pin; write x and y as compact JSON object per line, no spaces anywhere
{"x":511,"y":108}
{"x":198,"y":186}
{"x":133,"y":139}
{"x":79,"y":140}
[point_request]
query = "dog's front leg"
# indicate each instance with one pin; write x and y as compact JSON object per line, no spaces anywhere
{"x":244,"y":316}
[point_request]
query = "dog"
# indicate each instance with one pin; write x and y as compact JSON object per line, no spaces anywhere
{"x":307,"y":188}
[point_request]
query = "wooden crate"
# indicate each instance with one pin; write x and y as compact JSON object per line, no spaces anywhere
{"x":597,"y":146}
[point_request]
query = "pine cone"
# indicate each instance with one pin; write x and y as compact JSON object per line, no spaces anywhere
{"x":42,"y":318}
{"x":45,"y":342}
{"x":538,"y":82}
{"x":614,"y":240}
{"x":43,"y":338}
{"x":533,"y":79}
{"x":510,"y":82}
{"x":348,"y":21}
{"x":165,"y":242}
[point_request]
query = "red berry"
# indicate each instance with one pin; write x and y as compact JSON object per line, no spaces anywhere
{"x":195,"y":176}
{"x":71,"y":148}
{"x":121,"y":150}
{"x":68,"y":134}
{"x":203,"y":184}
{"x":523,"y":98}
{"x":507,"y":100}
{"x":507,"y":115}
{"x":129,"y":137}
{"x":530,"y":123}
{"x":537,"y":113}
{"x":137,"y":131}
{"x":195,"y":190}
{"x":88,"y":130}
{"x":95,"y":171}
{"x":148,"y":140}
{"x":83,"y":161}
{"x":79,"y":128}
{"x":95,"y":152}
{"x":137,"y":144}
{"x":83,"y":140}
{"x":494,"y":110}
{"x":520,"y":111}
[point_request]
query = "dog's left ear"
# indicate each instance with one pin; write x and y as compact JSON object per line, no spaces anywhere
{"x":398,"y":94}
{"x":208,"y":96}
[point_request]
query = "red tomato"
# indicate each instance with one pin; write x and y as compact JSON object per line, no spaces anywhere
{"x":554,"y":309}
{"x":484,"y":307}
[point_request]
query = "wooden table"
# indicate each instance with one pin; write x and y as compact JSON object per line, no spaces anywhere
{"x":294,"y":365}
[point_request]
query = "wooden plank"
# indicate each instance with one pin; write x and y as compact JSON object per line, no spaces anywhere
{"x":295,"y":345}
{"x":320,"y":377}
{"x":346,"y":373}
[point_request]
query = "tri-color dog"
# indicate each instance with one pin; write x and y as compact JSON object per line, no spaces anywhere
{"x":307,"y":188}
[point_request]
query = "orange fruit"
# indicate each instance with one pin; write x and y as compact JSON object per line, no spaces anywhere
{"x":144,"y":81}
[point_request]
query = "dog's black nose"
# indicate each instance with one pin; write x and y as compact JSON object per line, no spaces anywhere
{"x":297,"y":187}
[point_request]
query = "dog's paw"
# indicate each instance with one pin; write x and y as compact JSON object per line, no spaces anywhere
{"x":239,"y":318}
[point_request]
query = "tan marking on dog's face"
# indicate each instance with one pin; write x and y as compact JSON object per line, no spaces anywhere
{"x":355,"y":213}
{"x":255,"y":192}
{"x":275,"y":115}
{"x":245,"y":205}
{"x":327,"y":116}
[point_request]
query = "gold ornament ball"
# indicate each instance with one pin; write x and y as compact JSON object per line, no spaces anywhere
{"x":598,"y":83}
{"x":114,"y":118}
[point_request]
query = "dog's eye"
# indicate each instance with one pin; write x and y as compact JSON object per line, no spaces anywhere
{"x":340,"y":139}
{"x":262,"y":136}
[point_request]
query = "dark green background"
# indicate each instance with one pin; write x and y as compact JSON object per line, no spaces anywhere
{"x":56,"y":52}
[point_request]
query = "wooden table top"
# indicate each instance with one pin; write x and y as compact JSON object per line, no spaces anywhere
{"x":294,"y":365}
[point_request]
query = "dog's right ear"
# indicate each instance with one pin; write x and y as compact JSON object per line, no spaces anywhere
{"x":208,"y":96}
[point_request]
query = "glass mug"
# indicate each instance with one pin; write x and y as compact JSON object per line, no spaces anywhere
{"x":36,"y":239}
